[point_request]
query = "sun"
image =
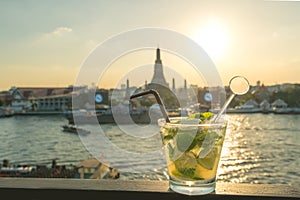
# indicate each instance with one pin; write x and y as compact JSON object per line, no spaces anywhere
{"x":213,"y":38}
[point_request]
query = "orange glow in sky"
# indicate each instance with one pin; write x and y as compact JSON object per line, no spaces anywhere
{"x":47,"y":45}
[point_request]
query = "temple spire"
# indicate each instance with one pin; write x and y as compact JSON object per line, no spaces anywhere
{"x":158,"y":60}
{"x":158,"y":76}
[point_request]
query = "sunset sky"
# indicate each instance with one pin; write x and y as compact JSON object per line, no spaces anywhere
{"x":44,"y":43}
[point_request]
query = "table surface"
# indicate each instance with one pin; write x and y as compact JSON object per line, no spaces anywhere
{"x":115,"y":189}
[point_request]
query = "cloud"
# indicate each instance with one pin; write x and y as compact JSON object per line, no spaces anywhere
{"x":59,"y":32}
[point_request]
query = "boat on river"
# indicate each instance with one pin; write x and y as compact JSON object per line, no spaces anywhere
{"x":71,"y":128}
{"x":6,"y":111}
{"x":106,"y":118}
{"x":244,"y":110}
{"x":119,"y":116}
{"x":286,"y":110}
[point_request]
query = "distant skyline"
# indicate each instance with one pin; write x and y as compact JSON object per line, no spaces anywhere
{"x":44,"y":43}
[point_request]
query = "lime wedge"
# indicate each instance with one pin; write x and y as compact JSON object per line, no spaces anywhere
{"x":186,"y":164}
{"x":208,"y":161}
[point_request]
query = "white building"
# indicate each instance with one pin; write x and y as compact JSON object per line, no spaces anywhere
{"x":41,"y":99}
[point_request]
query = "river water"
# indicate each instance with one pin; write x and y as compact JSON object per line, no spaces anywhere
{"x":258,"y":148}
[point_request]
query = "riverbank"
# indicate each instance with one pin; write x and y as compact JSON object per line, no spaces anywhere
{"x":87,"y":169}
{"x":264,"y":111}
{"x":30,"y":113}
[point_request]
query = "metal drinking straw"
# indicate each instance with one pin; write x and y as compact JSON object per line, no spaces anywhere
{"x":158,"y":99}
{"x":238,"y":85}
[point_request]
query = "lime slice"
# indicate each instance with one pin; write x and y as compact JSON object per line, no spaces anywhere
{"x":208,"y":161}
{"x":184,"y":141}
{"x":186,"y":164}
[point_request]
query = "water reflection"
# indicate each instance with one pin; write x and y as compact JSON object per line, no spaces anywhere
{"x":261,"y":149}
{"x":258,"y":148}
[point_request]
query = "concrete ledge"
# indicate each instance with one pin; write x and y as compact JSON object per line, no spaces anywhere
{"x":31,"y":188}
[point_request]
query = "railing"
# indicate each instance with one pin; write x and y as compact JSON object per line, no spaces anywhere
{"x":39,"y":188}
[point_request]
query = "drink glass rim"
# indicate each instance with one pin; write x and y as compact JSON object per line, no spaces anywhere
{"x":220,"y":123}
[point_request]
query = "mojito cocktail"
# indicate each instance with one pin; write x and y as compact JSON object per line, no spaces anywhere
{"x":193,"y":147}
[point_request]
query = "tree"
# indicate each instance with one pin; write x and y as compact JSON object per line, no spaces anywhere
{"x":289,"y":95}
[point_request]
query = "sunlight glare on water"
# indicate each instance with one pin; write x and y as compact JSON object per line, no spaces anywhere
{"x":261,"y":149}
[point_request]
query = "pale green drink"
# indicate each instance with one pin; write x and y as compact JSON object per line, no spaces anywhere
{"x":192,"y":147}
